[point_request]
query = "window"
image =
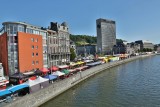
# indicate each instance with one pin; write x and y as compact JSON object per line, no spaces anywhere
{"x":36,"y":40}
{"x":32,"y":54}
{"x":32,"y":39}
{"x":36,"y":54}
{"x":36,"y":47}
{"x":33,"y":62}
{"x":32,"y":46}
{"x":37,"y":62}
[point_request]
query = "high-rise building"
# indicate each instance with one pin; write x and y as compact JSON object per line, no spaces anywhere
{"x":23,"y":47}
{"x":106,"y":35}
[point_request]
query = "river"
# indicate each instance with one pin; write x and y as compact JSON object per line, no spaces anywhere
{"x":134,"y":84}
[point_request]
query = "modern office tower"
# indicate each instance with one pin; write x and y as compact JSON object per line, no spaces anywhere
{"x":106,"y":35}
{"x":58,"y":44}
{"x":23,"y":47}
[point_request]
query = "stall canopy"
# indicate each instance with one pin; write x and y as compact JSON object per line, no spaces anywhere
{"x":82,"y":68}
{"x":63,"y":66}
{"x":33,"y":77}
{"x":30,"y":82}
{"x":44,"y":70}
{"x":18,"y":87}
{"x":65,"y":71}
{"x":54,"y":68}
{"x":18,"y":76}
{"x":79,"y":63}
{"x":94,"y":63}
{"x":58,"y":73}
{"x":38,"y":72}
{"x":40,"y":79}
{"x":29,"y":74}
{"x":72,"y":70}
{"x":4,"y":92}
{"x":72,"y":64}
{"x":51,"y":77}
{"x":88,"y":61}
{"x":34,"y":86}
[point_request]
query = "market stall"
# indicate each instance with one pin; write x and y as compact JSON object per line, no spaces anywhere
{"x":21,"y":89}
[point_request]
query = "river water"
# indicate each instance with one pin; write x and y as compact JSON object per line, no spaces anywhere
{"x":134,"y":84}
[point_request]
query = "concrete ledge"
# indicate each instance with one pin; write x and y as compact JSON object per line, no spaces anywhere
{"x":44,"y":95}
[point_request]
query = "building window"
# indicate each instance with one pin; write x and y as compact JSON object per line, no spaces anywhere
{"x":33,"y":62}
{"x":32,"y":39}
{"x":36,"y":40}
{"x":36,"y":54}
{"x":32,"y":54}
{"x":32,"y":46}
{"x":36,"y":47}
{"x":37,"y":62}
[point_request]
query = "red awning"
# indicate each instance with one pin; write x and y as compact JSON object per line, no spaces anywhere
{"x":33,"y":78}
{"x":44,"y":70}
{"x":54,"y":68}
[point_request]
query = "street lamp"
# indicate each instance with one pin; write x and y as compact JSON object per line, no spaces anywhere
{"x":119,"y":49}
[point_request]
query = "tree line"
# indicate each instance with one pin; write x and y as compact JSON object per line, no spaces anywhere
{"x":83,"y":39}
{"x":86,"y":39}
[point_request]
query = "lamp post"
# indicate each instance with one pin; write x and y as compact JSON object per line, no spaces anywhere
{"x":119,"y":49}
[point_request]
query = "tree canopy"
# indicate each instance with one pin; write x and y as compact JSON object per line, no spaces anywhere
{"x":86,"y":39}
{"x":73,"y":54}
{"x":83,"y":39}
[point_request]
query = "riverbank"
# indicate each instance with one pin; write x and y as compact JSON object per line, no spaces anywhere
{"x":42,"y":96}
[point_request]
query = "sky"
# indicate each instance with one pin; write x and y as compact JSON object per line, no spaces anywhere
{"x":135,"y":19}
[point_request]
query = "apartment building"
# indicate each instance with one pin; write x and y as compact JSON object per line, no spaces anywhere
{"x":23,"y":47}
{"x":58,"y":44}
{"x":144,"y":44}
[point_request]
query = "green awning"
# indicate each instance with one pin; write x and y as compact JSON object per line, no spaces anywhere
{"x":65,"y":71}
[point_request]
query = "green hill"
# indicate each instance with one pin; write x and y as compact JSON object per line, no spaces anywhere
{"x":83,"y":39}
{"x":86,"y":39}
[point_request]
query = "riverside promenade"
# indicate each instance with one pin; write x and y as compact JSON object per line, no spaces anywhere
{"x":43,"y":95}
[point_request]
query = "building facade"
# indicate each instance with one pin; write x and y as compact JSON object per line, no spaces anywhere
{"x":119,"y":48}
{"x":106,"y":35}
{"x":86,"y":50}
{"x":144,"y":44}
{"x":23,"y":47}
{"x":132,"y":48}
{"x":58,"y":44}
{"x":1,"y":70}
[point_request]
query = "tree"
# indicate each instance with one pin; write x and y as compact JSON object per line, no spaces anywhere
{"x":73,"y":54}
{"x":144,"y":49}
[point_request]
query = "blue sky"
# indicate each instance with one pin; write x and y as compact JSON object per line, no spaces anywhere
{"x":135,"y":19}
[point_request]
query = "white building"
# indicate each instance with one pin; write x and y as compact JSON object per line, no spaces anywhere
{"x":1,"y":70}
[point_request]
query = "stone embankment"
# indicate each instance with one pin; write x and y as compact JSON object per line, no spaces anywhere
{"x":43,"y":95}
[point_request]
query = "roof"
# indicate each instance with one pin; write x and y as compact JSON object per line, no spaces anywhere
{"x":18,"y":87}
{"x":4,"y":92}
{"x":18,"y":75}
{"x":58,"y":73}
{"x":24,"y":23}
{"x":51,"y":77}
{"x":63,"y":66}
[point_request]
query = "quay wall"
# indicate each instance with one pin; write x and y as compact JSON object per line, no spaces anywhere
{"x":44,"y":95}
